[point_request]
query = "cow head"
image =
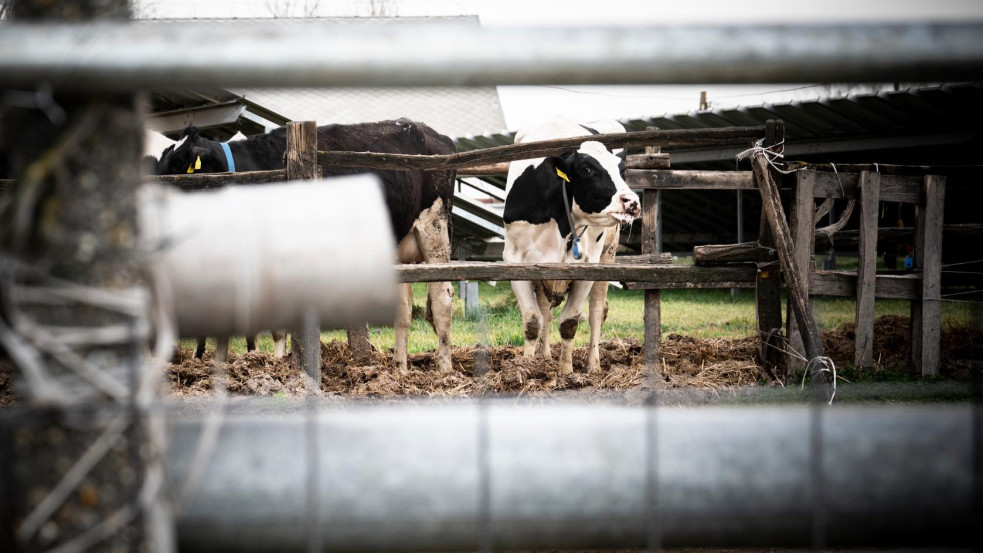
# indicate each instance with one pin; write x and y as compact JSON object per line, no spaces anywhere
{"x":191,"y":154}
{"x":600,"y":195}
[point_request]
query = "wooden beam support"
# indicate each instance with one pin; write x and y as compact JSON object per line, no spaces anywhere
{"x":794,"y":275}
{"x":690,"y":180}
{"x":209,"y":181}
{"x":767,"y":282}
{"x":802,"y":233}
{"x":926,"y":313}
{"x":653,"y":296}
{"x":867,"y":269}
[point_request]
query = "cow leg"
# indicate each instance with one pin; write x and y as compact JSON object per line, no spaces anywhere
{"x":598,"y":304}
{"x":546,"y":310}
{"x":404,"y":316}
{"x":251,"y":342}
{"x":279,"y":343}
{"x":221,"y":349}
{"x":434,"y":240}
{"x":532,"y":318}
{"x":199,"y":347}
{"x":597,"y":307}
{"x":441,"y":296}
{"x":569,"y":319}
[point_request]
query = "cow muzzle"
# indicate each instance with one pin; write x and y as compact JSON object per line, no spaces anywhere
{"x":628,"y":208}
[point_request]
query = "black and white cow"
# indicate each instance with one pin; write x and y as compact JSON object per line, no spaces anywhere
{"x":545,"y":224}
{"x":419,"y":203}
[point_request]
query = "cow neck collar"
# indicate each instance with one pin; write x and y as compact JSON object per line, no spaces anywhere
{"x":228,"y":157}
{"x":574,"y":241}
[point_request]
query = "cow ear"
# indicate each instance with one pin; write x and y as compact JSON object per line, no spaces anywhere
{"x":559,"y":167}
{"x":190,"y":131}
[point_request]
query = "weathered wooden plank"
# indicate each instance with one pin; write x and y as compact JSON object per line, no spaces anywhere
{"x":208,"y":181}
{"x":7,"y":185}
{"x":844,"y":284}
{"x":718,"y":254}
{"x":647,"y":161}
{"x":867,"y":269}
{"x":526,"y":150}
{"x":745,"y":280}
{"x":660,"y":275}
{"x":301,"y":164}
{"x":646,"y":259}
{"x":926,"y":314}
{"x":803,"y":233}
{"x":893,"y":188}
{"x":690,"y":180}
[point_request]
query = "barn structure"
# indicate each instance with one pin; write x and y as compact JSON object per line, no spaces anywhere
{"x":938,"y":125}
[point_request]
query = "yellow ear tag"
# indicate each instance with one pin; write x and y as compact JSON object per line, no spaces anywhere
{"x":562,"y":175}
{"x":198,"y":163}
{"x":191,"y":169}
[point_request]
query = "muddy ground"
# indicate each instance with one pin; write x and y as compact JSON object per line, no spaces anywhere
{"x":690,"y":367}
{"x":702,"y":364}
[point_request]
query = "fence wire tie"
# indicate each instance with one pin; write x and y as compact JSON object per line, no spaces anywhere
{"x":816,"y":366}
{"x":770,"y":155}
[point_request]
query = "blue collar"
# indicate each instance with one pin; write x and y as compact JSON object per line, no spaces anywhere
{"x":228,"y":157}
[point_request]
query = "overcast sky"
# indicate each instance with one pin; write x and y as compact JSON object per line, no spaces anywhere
{"x":523,"y":105}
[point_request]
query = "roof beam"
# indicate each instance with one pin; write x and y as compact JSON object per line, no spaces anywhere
{"x":203,"y":117}
{"x":826,"y":146}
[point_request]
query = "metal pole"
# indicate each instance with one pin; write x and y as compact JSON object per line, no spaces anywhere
{"x":409,"y":478}
{"x":414,"y":54}
{"x":740,"y":231}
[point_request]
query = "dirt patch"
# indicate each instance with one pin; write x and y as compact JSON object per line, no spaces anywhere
{"x":961,"y":348}
{"x":7,"y":397}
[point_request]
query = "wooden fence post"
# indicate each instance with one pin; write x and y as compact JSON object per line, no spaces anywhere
{"x":867,"y":269}
{"x":653,"y":308}
{"x":803,"y":229}
{"x":301,"y":164}
{"x":926,"y":313}
{"x":768,"y":284}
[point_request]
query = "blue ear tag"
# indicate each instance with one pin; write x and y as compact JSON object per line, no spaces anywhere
{"x":909,"y":262}
{"x":576,"y":248}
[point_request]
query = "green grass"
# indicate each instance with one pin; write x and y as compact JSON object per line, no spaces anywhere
{"x":697,"y":313}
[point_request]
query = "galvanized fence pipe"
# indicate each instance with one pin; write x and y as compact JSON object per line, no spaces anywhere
{"x":412,"y":478}
{"x":414,"y":54}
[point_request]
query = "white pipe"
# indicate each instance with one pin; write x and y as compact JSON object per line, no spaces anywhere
{"x":274,"y":53}
{"x":244,"y":259}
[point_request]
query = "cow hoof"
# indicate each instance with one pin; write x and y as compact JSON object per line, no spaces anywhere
{"x":566,"y":369}
{"x":445,"y":365}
